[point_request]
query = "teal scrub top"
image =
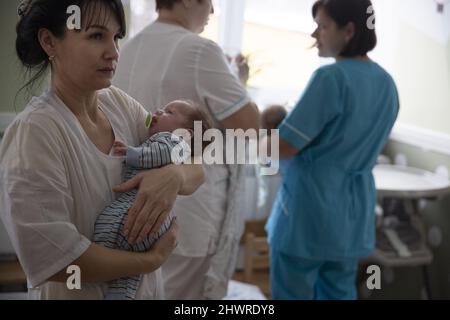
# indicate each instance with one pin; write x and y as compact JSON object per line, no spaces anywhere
{"x":325,"y":206}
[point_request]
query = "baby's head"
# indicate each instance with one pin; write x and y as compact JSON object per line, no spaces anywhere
{"x":179,"y":114}
{"x":272,"y":116}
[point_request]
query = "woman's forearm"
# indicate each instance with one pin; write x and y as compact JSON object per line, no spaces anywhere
{"x":192,"y":177}
{"x":285,"y":150}
{"x":101,"y":264}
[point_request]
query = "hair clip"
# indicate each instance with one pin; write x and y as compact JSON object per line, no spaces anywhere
{"x":23,"y":8}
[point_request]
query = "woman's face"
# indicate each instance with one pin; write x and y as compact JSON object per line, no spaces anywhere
{"x":330,"y":39}
{"x":88,"y":58}
{"x":201,"y":11}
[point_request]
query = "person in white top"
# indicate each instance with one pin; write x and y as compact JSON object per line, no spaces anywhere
{"x":57,"y":170}
{"x":168,"y":60}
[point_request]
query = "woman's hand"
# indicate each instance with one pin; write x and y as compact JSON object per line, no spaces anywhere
{"x":162,"y":249}
{"x":240,"y":66}
{"x":243,"y":68}
{"x":158,"y":189}
{"x":119,"y":148}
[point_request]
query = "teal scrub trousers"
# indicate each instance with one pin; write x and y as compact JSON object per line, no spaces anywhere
{"x":294,"y":278}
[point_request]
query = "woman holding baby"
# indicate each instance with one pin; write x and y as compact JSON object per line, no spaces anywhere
{"x":56,"y":164}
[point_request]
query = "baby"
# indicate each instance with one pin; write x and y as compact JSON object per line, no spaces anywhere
{"x":153,"y":153}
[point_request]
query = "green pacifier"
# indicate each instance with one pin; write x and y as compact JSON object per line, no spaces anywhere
{"x":148,"y":120}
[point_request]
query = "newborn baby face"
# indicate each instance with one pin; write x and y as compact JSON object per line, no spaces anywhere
{"x":173,"y":116}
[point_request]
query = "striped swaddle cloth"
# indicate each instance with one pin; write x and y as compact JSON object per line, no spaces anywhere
{"x":155,"y":152}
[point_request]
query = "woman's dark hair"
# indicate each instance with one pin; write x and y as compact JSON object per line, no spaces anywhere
{"x":358,"y":12}
{"x":167,"y":4}
{"x":52,"y":15}
{"x":206,"y":121}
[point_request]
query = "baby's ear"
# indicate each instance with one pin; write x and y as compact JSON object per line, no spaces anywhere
{"x":190,"y":134}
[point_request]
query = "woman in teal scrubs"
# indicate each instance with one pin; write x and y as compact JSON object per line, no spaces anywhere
{"x":323,"y":217}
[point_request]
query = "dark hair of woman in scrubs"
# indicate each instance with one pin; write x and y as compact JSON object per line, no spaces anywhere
{"x":322,"y":220}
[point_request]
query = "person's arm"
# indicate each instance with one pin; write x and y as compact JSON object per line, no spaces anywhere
{"x":286,"y":150}
{"x":222,"y":92}
{"x":245,"y":118}
{"x":158,"y":151}
{"x":192,"y":177}
{"x":158,"y":189}
{"x":312,"y":113}
{"x":101,"y":264}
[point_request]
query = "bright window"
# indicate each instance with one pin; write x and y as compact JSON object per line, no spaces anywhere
{"x":212,"y":28}
{"x":276,"y":37}
{"x":142,"y":12}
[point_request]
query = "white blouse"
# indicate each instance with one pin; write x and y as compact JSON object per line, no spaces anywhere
{"x":53,"y":184}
